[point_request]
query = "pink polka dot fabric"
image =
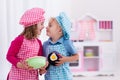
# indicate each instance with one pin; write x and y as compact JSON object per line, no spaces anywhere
{"x":32,"y":17}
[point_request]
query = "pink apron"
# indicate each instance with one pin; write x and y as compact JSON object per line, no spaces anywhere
{"x":28,"y":49}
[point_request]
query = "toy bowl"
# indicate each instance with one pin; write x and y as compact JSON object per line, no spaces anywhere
{"x":53,"y":57}
{"x":36,"y":62}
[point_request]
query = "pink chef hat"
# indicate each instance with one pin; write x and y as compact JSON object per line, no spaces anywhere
{"x":32,"y":16}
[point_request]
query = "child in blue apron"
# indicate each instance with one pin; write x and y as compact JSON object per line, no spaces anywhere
{"x":58,"y":31}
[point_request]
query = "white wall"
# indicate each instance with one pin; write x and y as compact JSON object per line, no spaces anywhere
{"x":11,"y":11}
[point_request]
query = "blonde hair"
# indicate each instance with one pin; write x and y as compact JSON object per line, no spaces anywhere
{"x":52,"y":19}
{"x":30,"y":32}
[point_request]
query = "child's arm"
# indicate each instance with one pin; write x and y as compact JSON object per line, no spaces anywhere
{"x":71,"y":51}
{"x":64,"y":59}
{"x":13,"y":50}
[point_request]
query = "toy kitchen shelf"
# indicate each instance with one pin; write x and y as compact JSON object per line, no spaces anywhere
{"x":91,"y":58}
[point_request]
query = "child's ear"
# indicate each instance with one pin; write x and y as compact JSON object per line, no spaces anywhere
{"x":60,"y":30}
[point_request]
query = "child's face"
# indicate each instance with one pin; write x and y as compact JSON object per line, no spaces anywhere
{"x":53,"y":29}
{"x":40,"y":26}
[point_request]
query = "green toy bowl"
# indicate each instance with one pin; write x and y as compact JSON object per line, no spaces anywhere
{"x":36,"y":62}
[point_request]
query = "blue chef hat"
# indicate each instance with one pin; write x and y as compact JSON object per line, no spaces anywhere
{"x":65,"y":24}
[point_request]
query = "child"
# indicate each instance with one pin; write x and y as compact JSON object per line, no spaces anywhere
{"x":59,"y":31}
{"x":26,"y":45}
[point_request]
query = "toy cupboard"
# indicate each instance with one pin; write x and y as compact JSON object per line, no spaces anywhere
{"x":94,"y":41}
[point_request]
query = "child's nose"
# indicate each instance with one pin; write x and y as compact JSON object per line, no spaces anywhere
{"x":42,"y":27}
{"x":47,"y":27}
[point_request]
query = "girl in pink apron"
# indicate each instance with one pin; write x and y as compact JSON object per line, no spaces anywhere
{"x":26,"y":45}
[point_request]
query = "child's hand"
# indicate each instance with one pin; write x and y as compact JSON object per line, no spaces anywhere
{"x":64,"y":59}
{"x":61,"y":60}
{"x":42,"y":71}
{"x":23,"y":65}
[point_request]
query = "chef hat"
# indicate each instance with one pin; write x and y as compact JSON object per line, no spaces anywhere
{"x":32,"y":17}
{"x":65,"y":24}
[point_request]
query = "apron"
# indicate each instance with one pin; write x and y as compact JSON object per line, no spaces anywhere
{"x":29,"y":48}
{"x":61,"y":72}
